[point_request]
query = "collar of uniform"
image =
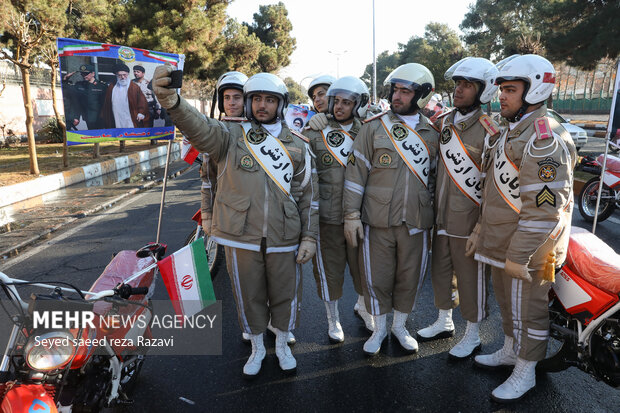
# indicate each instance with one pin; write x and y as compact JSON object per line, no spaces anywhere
{"x":525,"y":123}
{"x":423,"y":123}
{"x":467,"y":123}
{"x":284,"y":134}
{"x":357,"y":124}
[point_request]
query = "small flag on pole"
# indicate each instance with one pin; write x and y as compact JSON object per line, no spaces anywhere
{"x":187,"y":279}
{"x":188,"y":152}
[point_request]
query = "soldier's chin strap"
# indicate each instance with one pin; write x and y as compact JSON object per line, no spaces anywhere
{"x":517,"y":116}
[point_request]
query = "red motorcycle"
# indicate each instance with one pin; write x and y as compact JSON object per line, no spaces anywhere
{"x":81,"y":369}
{"x":610,"y":194}
{"x":584,"y":310}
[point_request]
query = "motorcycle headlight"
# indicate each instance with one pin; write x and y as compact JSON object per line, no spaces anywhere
{"x":49,"y":351}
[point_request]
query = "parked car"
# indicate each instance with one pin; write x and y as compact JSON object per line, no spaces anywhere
{"x":579,"y":135}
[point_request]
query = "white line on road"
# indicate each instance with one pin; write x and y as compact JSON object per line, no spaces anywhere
{"x":88,"y":221}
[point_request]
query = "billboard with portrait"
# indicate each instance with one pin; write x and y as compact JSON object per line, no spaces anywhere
{"x":107,"y":92}
{"x":297,"y":117}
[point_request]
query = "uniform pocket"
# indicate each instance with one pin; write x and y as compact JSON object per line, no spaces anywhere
{"x":232,"y":212}
{"x":384,"y":156}
{"x":292,"y":221}
{"x":376,"y":207}
{"x":325,"y":200}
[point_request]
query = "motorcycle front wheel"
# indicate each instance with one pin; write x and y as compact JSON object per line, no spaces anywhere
{"x":587,"y":201}
{"x":215,"y":252}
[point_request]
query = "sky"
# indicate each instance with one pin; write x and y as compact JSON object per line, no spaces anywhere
{"x":344,"y":28}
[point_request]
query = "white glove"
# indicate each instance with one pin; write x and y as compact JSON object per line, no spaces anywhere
{"x":206,"y":226}
{"x":517,"y":271}
{"x":472,"y":242}
{"x":140,"y":116}
{"x":352,"y":230}
{"x":161,"y":78}
{"x":318,"y":121}
{"x":307,"y":249}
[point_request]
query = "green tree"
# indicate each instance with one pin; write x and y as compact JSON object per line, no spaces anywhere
{"x":296,"y":92}
{"x":386,"y":62}
{"x":272,"y":26}
{"x":581,"y":32}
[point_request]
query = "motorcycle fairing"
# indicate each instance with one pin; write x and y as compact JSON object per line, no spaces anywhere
{"x":581,"y":299}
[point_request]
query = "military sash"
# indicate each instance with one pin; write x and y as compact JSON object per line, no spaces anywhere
{"x":410,"y":146}
{"x":461,"y":167}
{"x":271,"y":155}
{"x":506,"y":175}
{"x":338,"y":143}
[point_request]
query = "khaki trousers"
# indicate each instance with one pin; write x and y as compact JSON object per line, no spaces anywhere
{"x":393,"y":265}
{"x":265,"y":286}
{"x":332,"y":256}
{"x":525,"y":313}
{"x":452,"y":270}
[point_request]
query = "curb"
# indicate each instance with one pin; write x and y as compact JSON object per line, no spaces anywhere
{"x":24,"y":190}
{"x":14,"y":250}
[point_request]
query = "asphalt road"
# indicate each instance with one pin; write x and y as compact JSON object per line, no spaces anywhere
{"x":329,"y":377}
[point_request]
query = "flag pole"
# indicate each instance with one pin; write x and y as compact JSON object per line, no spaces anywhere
{"x":163,"y":190}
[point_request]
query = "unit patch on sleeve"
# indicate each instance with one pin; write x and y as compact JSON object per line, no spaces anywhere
{"x":545,"y":196}
{"x":546,"y":170}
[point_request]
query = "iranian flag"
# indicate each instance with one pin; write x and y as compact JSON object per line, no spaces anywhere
{"x":188,"y":152}
{"x":187,"y":279}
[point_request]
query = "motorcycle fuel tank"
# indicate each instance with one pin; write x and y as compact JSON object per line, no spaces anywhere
{"x":28,"y":398}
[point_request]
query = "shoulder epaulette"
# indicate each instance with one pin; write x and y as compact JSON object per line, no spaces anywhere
{"x":446,"y":113}
{"x":300,"y":136}
{"x":374,"y":117}
{"x":234,"y":119}
{"x":489,"y":125}
{"x":543,"y":129}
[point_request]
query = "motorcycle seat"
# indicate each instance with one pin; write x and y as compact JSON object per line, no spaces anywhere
{"x":594,"y":260}
{"x":613,"y":163}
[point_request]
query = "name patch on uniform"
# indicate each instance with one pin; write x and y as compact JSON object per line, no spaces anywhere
{"x":399,"y":132}
{"x":545,"y":196}
{"x":547,"y":171}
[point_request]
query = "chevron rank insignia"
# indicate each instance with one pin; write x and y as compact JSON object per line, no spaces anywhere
{"x":543,"y":130}
{"x":351,"y":158}
{"x":489,"y":125}
{"x":545,"y":196}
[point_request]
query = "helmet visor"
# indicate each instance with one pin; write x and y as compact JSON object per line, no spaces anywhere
{"x":343,"y":93}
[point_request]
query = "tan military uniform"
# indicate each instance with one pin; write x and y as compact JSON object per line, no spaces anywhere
{"x":396,"y":208}
{"x":542,"y":225}
{"x":259,"y":225}
{"x":456,"y":214}
{"x":208,"y":175}
{"x":333,"y":253}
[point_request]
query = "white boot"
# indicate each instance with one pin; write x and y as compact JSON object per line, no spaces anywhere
{"x":291,"y":338}
{"x":246,"y":338}
{"x":358,"y":304}
{"x":521,"y":381}
{"x":369,"y":321}
{"x":443,"y":327}
{"x":336,"y":335}
{"x":468,"y":344}
{"x":285,"y":357}
{"x":253,"y":365}
{"x":373,"y":344}
{"x":503,"y":357}
{"x":400,"y":332}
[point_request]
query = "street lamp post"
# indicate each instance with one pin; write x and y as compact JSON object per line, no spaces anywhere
{"x":337,"y":60}
{"x":374,"y":58}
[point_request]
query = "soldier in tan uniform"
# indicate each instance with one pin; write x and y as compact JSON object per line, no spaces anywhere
{"x":526,"y":215}
{"x":317,"y":91}
{"x":457,"y":204}
{"x":265,"y":232}
{"x":388,"y":202}
{"x":348,"y":99}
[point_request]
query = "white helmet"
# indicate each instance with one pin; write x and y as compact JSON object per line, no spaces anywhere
{"x":417,"y":78}
{"x":536,"y":71}
{"x":265,"y":83}
{"x":229,"y":80}
{"x":324,"y":80}
{"x":476,"y":69}
{"x":352,"y":88}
